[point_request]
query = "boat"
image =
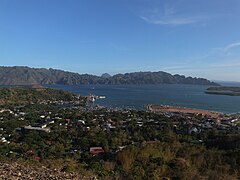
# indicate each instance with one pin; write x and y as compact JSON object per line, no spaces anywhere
{"x":91,"y":98}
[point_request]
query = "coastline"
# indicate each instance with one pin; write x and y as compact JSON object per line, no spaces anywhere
{"x":134,"y":96}
{"x":184,"y":110}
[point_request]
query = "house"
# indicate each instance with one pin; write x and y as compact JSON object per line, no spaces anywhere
{"x":37,"y":158}
{"x":3,"y":140}
{"x":194,"y":130}
{"x":81,"y":121}
{"x":109,"y":126}
{"x":95,"y":151}
{"x":67,"y":121}
{"x":50,"y":122}
{"x":36,"y":129}
{"x":44,"y":125}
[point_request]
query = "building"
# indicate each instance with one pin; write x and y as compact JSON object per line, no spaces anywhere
{"x":95,"y":151}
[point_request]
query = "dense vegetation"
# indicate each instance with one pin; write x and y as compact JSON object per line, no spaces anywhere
{"x":139,"y":145}
{"x":26,"y":75}
{"x":27,"y":95}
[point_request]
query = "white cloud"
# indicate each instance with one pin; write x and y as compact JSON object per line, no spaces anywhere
{"x":168,"y":15}
{"x":226,"y":65}
{"x":220,"y":54}
{"x":230,"y":47}
{"x":227,"y":50}
{"x":177,"y":67}
{"x":171,"y":21}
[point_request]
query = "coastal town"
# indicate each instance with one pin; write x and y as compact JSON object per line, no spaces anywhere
{"x":199,"y":118}
{"x":119,"y":90}
{"x":74,"y":129}
{"x":186,"y":120}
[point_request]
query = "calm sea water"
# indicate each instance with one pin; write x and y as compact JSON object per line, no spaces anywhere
{"x":138,"y":96}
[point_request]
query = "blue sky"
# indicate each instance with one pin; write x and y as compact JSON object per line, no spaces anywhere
{"x":191,"y":37}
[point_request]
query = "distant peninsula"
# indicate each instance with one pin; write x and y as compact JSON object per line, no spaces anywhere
{"x":21,"y":75}
{"x":224,"y":90}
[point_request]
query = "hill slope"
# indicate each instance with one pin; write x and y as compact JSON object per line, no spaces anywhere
{"x":22,"y":171}
{"x":19,"y":75}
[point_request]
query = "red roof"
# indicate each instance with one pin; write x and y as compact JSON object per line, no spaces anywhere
{"x":37,"y":158}
{"x":96,"y":150}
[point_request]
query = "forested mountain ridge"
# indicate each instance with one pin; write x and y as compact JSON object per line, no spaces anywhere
{"x":21,"y":75}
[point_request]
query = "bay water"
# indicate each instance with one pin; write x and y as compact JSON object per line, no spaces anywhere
{"x":139,"y":96}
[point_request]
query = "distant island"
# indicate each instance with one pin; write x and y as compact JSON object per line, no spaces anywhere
{"x":224,"y":90}
{"x":21,"y":75}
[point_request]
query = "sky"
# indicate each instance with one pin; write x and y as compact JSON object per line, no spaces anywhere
{"x":199,"y":38}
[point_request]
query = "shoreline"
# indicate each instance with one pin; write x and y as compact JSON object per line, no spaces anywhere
{"x":134,"y":104}
{"x":184,"y":110}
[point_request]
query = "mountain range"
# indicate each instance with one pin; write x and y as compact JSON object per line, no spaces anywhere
{"x":21,"y":75}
